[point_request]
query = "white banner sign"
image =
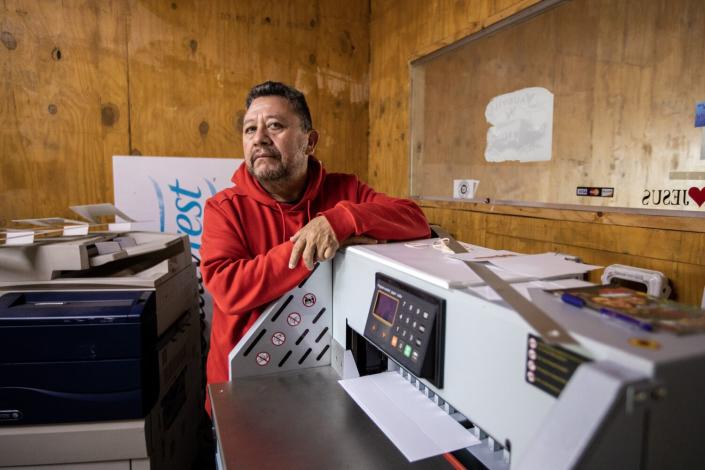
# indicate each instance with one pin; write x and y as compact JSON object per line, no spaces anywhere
{"x":169,"y":193}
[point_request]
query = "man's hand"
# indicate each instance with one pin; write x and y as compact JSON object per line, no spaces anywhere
{"x":315,"y":241}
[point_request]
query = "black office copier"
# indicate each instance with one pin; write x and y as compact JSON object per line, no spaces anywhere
{"x":100,"y":352}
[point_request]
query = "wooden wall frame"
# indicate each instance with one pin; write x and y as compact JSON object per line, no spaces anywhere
{"x":619,"y":120}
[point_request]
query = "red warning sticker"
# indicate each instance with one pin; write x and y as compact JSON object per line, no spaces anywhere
{"x":293,"y":319}
{"x":262,"y":358}
{"x":278,"y":338}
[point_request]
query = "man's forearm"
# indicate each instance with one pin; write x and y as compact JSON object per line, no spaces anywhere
{"x":383,"y":219}
{"x":241,"y":285}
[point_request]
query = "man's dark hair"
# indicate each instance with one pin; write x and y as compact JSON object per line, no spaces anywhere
{"x":291,"y":94}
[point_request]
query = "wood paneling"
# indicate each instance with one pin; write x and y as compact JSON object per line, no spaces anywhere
{"x":399,"y":34}
{"x":160,"y":77}
{"x":678,"y":253}
{"x":62,"y":104}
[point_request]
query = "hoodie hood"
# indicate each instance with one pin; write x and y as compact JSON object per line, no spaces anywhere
{"x":247,"y":185}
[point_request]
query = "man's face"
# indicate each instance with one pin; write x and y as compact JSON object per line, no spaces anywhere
{"x":276,"y":147}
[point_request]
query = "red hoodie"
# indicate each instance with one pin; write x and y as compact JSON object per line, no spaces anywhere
{"x":245,"y":244}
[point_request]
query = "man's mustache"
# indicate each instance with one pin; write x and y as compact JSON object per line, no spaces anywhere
{"x":266,"y":152}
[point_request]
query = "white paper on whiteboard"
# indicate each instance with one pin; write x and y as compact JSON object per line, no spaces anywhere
{"x":417,"y":426}
{"x":521,"y":126}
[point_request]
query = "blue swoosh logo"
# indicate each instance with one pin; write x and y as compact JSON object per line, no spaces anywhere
{"x":160,"y":201}
{"x":211,"y":186}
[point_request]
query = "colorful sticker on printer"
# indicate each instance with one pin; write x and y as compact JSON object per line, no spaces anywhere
{"x":700,"y":114}
{"x":263,"y":358}
{"x":278,"y":338}
{"x":591,"y":191}
{"x":548,"y":367}
{"x":309,"y":300}
{"x":644,"y":343}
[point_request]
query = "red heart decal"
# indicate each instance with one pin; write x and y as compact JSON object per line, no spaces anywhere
{"x":697,"y":195}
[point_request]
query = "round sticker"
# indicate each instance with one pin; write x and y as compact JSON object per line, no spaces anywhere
{"x":262,"y":358}
{"x":309,"y":300}
{"x":293,"y":319}
{"x":278,"y":338}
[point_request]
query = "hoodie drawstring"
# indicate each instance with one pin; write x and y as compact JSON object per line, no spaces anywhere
{"x":281,"y":213}
{"x":283,"y":219}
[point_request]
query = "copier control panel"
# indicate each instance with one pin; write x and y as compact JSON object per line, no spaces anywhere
{"x":408,"y":325}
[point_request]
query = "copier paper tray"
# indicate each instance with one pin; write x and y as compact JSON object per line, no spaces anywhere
{"x":77,"y":356}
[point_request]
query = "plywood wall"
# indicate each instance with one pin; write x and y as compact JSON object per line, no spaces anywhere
{"x":403,"y":32}
{"x":63,"y":103}
{"x":81,"y":81}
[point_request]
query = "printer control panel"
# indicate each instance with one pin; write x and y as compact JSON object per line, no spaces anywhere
{"x":407,"y":324}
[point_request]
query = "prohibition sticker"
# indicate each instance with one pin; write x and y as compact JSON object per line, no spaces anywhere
{"x":262,"y":358}
{"x":293,"y":319}
{"x":309,"y":300}
{"x":278,"y":338}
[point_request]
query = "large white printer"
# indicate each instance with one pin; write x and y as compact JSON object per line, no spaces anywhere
{"x":101,"y":352}
{"x":613,"y":397}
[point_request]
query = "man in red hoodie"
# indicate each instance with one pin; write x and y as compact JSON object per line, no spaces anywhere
{"x":262,"y":237}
